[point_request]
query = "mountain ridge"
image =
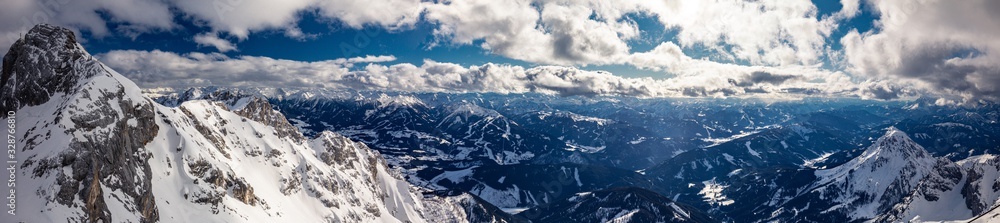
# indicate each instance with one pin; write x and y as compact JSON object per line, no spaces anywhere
{"x":99,"y":150}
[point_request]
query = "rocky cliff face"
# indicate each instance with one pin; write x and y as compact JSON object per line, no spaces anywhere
{"x":83,"y":129}
{"x":94,"y":149}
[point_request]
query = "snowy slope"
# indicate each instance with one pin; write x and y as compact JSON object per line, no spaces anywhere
{"x":95,"y":149}
{"x":896,"y":180}
{"x":938,"y":197}
{"x":876,"y":185}
{"x":869,"y":184}
{"x":962,"y":192}
{"x":982,"y":184}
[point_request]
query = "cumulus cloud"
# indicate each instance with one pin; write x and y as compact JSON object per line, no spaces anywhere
{"x":761,"y":77}
{"x":761,"y":32}
{"x":506,"y":27}
{"x":547,"y":32}
{"x":885,"y":90}
{"x":945,"y":47}
{"x":241,"y":17}
{"x":137,"y":16}
{"x":212,"y":40}
{"x":948,"y":47}
{"x":238,"y":18}
{"x":166,"y":69}
{"x":158,"y":68}
{"x":848,"y":9}
{"x":386,"y":13}
{"x":596,"y":32}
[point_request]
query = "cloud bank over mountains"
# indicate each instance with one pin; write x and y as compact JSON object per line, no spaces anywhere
{"x":937,"y":47}
{"x":159,"y":68}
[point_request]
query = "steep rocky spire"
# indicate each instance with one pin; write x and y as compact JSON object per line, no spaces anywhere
{"x":48,"y":60}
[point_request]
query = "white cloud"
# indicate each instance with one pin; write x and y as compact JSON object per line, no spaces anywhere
{"x":665,"y":55}
{"x":557,"y":32}
{"x":768,"y":32}
{"x":595,"y":32}
{"x":212,"y":40}
{"x":506,"y":27}
{"x":849,"y":9}
{"x":238,"y":18}
{"x":386,"y":13}
{"x":949,"y":47}
{"x":165,"y":69}
{"x":137,"y":16}
{"x":241,"y":17}
{"x":158,"y":68}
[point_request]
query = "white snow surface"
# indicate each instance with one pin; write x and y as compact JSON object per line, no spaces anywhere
{"x":894,"y":163}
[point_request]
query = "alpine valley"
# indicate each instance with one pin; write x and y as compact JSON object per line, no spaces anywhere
{"x":92,"y":146}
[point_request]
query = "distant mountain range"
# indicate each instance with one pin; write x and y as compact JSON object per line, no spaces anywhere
{"x":95,"y":147}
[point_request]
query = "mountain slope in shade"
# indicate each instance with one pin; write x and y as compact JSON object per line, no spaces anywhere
{"x":529,"y":185}
{"x":624,"y":205}
{"x":93,"y":148}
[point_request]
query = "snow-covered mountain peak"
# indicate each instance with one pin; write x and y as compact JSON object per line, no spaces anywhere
{"x":44,"y":62}
{"x":886,"y":173}
{"x":247,"y":105}
{"x":51,"y":39}
{"x":895,"y":143}
{"x":887,"y":154}
{"x":397,"y":101}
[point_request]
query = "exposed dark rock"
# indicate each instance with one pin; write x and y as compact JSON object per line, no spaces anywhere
{"x":45,"y":62}
{"x":246,"y":105}
{"x":336,"y":151}
{"x":242,"y":191}
{"x":977,"y":202}
{"x":216,"y":140}
{"x":121,"y":155}
{"x":96,"y":209}
{"x":260,"y":110}
{"x":114,"y":128}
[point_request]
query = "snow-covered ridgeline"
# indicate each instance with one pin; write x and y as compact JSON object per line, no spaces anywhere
{"x":94,"y":148}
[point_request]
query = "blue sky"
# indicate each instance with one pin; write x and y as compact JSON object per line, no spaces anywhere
{"x":873,"y":49}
